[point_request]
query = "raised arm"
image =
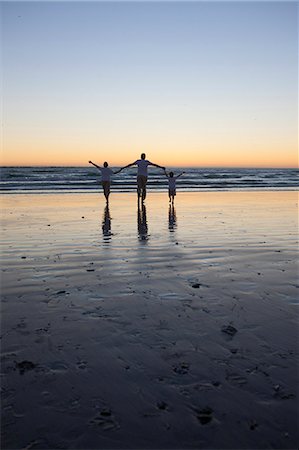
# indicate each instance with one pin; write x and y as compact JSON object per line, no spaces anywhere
{"x":90,"y":162}
{"x":156,"y":165}
{"x":180,"y":174}
{"x":125,"y":167}
{"x":166,"y":174}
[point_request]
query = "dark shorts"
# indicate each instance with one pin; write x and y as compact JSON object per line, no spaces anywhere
{"x":171,"y":192}
{"x":106,"y":185}
{"x":141,"y":181}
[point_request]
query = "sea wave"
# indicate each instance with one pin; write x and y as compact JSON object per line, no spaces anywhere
{"x":87,"y":179}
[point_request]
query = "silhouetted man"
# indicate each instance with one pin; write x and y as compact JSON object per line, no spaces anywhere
{"x":142,"y":165}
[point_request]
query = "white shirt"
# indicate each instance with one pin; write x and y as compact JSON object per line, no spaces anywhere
{"x":171,"y":182}
{"x":106,"y":173}
{"x":142,"y":166}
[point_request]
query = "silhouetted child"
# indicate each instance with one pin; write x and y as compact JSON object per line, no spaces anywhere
{"x":171,"y":184}
{"x":106,"y":174}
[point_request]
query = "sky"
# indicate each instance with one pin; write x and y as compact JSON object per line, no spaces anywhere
{"x":204,"y":84}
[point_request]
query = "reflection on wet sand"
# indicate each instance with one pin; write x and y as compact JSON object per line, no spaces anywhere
{"x":142,"y":223}
{"x":106,"y":224}
{"x":172,"y":224}
{"x":198,"y":341}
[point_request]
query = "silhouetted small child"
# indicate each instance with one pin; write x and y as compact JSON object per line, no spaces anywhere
{"x":172,"y":185}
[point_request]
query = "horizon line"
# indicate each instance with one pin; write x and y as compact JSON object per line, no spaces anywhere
{"x":175,"y":166}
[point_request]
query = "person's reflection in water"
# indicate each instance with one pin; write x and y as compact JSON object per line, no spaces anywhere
{"x":171,"y":218}
{"x":106,"y":224}
{"x":142,"y":223}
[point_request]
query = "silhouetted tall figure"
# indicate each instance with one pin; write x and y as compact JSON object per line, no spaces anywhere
{"x":142,"y":165}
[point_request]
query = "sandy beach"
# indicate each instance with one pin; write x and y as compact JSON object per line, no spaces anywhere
{"x":153,"y":329}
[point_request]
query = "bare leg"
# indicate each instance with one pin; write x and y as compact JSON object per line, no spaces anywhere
{"x":106,"y":194}
{"x":138,"y":194}
{"x":143,"y":194}
{"x":106,"y":191}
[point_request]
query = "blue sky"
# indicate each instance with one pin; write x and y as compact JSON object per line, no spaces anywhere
{"x":155,"y":76}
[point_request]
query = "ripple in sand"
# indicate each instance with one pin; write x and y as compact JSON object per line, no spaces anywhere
{"x":171,"y":296}
{"x":236,"y":379}
{"x":58,"y":366}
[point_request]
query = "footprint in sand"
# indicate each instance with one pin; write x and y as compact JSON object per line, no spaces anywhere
{"x":204,"y":415}
{"x":229,"y":330}
{"x":82,"y":364}
{"x":105,"y":420}
{"x":162,"y":405}
{"x":281,"y":393}
{"x":182,"y":368}
{"x":25,"y":366}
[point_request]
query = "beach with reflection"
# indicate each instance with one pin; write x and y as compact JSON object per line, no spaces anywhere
{"x":195,"y":333}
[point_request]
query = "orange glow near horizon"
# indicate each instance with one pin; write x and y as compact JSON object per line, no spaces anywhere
{"x":210,"y":143}
{"x":177,"y":156}
{"x":45,"y":162}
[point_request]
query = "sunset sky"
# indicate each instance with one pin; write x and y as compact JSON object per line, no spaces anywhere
{"x":188,"y":83}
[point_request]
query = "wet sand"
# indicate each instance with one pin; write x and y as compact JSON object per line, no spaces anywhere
{"x":150,"y":329}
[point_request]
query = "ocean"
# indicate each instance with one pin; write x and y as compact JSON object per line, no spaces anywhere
{"x":88,"y":179}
